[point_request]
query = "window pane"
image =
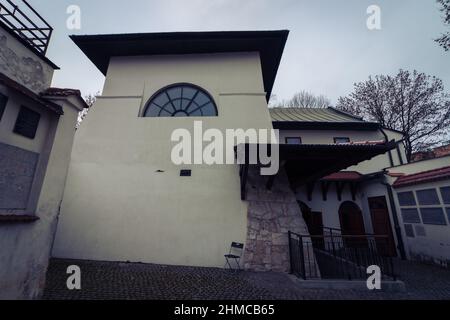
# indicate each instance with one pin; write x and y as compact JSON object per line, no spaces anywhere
{"x":409,"y":230}
{"x":420,"y":230}
{"x":189,"y":93}
{"x":152,"y":110}
{"x":3,"y":101}
{"x":339,"y":140}
{"x":161,"y":99}
{"x":293,"y":140}
{"x":410,"y":215}
{"x":27,"y":123}
{"x":427,"y":197}
{"x":433,"y":216}
{"x":201,"y":98}
{"x":406,"y":198}
{"x":174,"y":93}
{"x":209,"y":110}
{"x":445,"y":192}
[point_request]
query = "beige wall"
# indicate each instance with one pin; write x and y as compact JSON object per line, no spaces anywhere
{"x":26,"y":247}
{"x":8,"y":121}
{"x":118,"y":207}
{"x":22,"y":65}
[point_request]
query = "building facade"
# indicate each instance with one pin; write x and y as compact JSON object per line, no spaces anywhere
{"x":37,"y":126}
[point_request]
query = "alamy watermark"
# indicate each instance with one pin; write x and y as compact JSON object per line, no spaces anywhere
{"x":73,"y":21}
{"x":373,"y":22}
{"x":232,"y":146}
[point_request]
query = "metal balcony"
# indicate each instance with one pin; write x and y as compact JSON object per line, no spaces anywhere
{"x":20,"y":17}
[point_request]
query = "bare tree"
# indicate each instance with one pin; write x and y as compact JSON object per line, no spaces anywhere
{"x":411,"y":102}
{"x":90,"y":100}
{"x":444,"y":40}
{"x":303,"y":99}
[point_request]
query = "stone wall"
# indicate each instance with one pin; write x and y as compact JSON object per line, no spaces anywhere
{"x":271,"y":214}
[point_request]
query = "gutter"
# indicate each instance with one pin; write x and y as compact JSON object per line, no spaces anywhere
{"x":397,"y":229}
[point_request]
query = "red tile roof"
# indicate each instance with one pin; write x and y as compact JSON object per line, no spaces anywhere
{"x":64,"y":92}
{"x":422,"y":177}
{"x":343,"y":176}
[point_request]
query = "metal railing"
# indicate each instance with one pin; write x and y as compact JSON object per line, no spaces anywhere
{"x":27,"y":23}
{"x":336,"y":256}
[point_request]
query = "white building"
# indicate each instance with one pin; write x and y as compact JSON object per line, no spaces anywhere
{"x":37,"y":125}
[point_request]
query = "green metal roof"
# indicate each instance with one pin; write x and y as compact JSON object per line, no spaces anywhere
{"x":312,"y":115}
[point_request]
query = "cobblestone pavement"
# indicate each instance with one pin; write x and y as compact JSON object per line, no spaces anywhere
{"x":114,"y":280}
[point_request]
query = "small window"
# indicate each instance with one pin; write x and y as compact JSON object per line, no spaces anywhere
{"x":293,"y":140}
{"x":433,"y":216}
{"x":445,"y":193}
{"x":27,"y":122}
{"x":409,"y":230}
{"x":410,"y":215}
{"x":406,"y":198}
{"x":341,"y":140}
{"x":420,"y":231}
{"x":3,"y":101}
{"x":427,"y":197}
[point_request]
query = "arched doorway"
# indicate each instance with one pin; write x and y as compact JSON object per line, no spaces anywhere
{"x":352,"y":224}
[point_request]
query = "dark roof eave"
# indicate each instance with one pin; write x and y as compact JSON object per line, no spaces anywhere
{"x":270,"y":44}
{"x":320,"y":125}
{"x":14,"y":85}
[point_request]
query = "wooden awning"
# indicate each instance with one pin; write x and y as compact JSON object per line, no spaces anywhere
{"x":306,"y":163}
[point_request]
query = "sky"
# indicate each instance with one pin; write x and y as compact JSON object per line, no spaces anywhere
{"x":329,"y":47}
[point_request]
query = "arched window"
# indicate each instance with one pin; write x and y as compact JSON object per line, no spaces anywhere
{"x":181,"y":100}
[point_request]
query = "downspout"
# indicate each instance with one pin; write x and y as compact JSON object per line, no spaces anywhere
{"x":398,"y":231}
{"x":386,"y":139}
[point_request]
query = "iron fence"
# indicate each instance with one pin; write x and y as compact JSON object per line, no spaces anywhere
{"x":336,"y":256}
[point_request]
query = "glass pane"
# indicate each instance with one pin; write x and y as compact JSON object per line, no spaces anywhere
{"x":339,"y":140}
{"x":197,"y":113}
{"x":185,"y":103}
{"x":445,"y":192}
{"x":152,"y":111}
{"x":406,"y":198}
{"x":209,"y":110}
{"x":448,"y":214}
{"x":420,"y":231}
{"x":201,"y":99}
{"x":294,"y":140}
{"x":177,"y":103}
{"x":409,"y":230}
{"x":427,"y":197}
{"x":433,"y":216}
{"x":3,"y":101}
{"x":165,"y":113}
{"x":410,"y":215}
{"x":161,"y":99}
{"x":174,"y":93}
{"x":188,"y":92}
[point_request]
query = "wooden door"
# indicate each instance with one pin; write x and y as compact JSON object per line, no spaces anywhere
{"x":382,"y":225}
{"x":352,"y":224}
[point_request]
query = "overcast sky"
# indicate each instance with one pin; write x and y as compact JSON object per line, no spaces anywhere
{"x":328,"y":49}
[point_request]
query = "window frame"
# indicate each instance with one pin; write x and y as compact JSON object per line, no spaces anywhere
{"x":17,"y":130}
{"x":336,"y":138}
{"x":3,"y":103}
{"x":287,"y":138}
{"x":165,"y":89}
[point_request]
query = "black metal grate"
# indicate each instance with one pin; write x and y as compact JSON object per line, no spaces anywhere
{"x":27,"y":23}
